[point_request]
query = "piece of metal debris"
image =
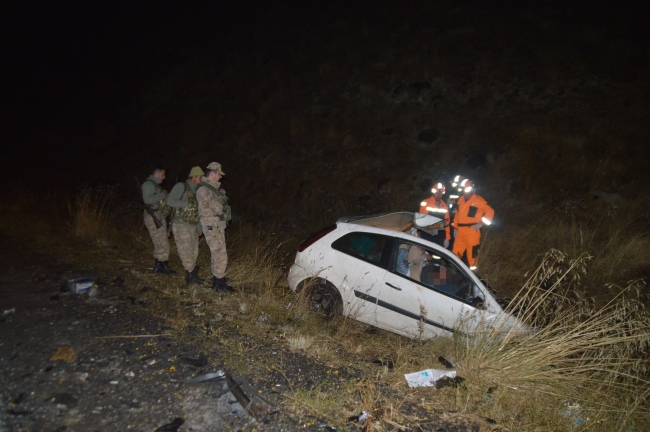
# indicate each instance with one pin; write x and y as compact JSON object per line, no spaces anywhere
{"x":171,"y":427}
{"x":207,"y":377}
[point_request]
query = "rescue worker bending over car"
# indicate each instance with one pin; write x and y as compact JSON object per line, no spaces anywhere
{"x":435,"y":206}
{"x":472,"y":214}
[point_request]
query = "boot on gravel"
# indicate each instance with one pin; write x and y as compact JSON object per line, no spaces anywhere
{"x":162,"y":267}
{"x":168,"y":270}
{"x":220,"y":285}
{"x":193,"y":276}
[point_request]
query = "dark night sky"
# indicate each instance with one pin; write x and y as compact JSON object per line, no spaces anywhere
{"x":86,"y":59}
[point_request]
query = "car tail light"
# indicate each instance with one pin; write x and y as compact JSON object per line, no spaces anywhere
{"x":314,"y":237}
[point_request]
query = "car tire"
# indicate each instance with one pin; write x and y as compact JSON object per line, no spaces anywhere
{"x":324,"y":299}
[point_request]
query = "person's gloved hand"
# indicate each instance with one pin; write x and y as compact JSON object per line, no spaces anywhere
{"x":476,"y":227}
{"x":446,"y":243}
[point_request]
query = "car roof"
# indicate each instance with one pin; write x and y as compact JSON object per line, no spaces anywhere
{"x":393,"y":221}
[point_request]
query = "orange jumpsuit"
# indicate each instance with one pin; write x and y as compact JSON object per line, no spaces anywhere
{"x":429,"y":206}
{"x":470,"y":212}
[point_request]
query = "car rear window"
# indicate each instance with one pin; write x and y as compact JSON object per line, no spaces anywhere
{"x":365,"y":246}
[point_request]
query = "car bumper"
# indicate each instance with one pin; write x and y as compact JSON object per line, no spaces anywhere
{"x":296,"y":275}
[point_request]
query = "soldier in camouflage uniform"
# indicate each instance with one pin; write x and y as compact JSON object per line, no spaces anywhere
{"x":154,"y":195}
{"x":185,"y":223}
{"x":215,"y":214}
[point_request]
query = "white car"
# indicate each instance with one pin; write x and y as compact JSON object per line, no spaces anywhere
{"x":375,"y":269}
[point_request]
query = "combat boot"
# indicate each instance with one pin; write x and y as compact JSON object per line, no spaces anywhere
{"x":193,"y":276}
{"x":220,"y":285}
{"x":168,"y":270}
{"x":160,"y":267}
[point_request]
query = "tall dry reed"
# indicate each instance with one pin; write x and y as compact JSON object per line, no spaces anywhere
{"x":574,"y":353}
{"x":89,"y":212}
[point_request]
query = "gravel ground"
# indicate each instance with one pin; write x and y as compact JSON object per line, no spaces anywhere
{"x":107,"y":383}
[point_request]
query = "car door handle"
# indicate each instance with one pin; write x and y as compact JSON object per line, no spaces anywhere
{"x":393,"y":286}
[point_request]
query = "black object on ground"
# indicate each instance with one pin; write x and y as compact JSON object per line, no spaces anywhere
{"x":171,"y":427}
{"x":197,"y":362}
{"x":18,"y":399}
{"x":449,"y":382}
{"x":384,"y":362}
{"x":446,"y":363}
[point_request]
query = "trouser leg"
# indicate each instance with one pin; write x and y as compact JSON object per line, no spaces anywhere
{"x":460,"y":245}
{"x":187,"y":244}
{"x":473,"y":246}
{"x":159,"y":238}
{"x":218,"y":256}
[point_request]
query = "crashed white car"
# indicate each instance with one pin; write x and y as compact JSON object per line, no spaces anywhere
{"x":376,"y":270}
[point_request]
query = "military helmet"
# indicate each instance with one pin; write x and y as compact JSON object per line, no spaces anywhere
{"x":196,"y":171}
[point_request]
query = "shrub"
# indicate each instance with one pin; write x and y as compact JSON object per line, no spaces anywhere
{"x":89,"y":212}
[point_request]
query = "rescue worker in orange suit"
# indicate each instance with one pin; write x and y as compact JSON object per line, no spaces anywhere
{"x":456,"y":191}
{"x":472,"y":214}
{"x":435,"y":206}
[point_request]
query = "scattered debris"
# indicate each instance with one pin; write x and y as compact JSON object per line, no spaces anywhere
{"x":132,"y":336}
{"x":428,"y":377}
{"x":125,"y":262}
{"x":66,"y":354}
{"x":18,"y":412}
{"x":573,"y":412}
{"x":18,"y":399}
{"x":171,"y":427}
{"x":118,"y":282}
{"x":255,"y":409}
{"x":229,"y":389}
{"x":361,"y":418}
{"x":384,"y":362}
{"x":81,"y":285}
{"x":446,"y":381}
{"x":446,"y":363}
{"x":207,"y":377}
{"x":63,"y":398}
{"x":7,"y":312}
{"x":197,"y":362}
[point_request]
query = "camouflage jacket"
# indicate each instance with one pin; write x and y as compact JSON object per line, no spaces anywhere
{"x":213,"y":204}
{"x":154,"y":195}
{"x":182,"y":199}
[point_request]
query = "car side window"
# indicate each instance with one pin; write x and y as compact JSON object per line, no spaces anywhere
{"x":366,"y":246}
{"x":433,"y":270}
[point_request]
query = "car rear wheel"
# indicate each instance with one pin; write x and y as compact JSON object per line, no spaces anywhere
{"x":324,"y":299}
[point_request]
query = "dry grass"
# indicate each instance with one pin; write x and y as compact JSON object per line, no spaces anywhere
{"x":580,"y":356}
{"x":89,"y":212}
{"x":618,"y":242}
{"x":577,"y":355}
